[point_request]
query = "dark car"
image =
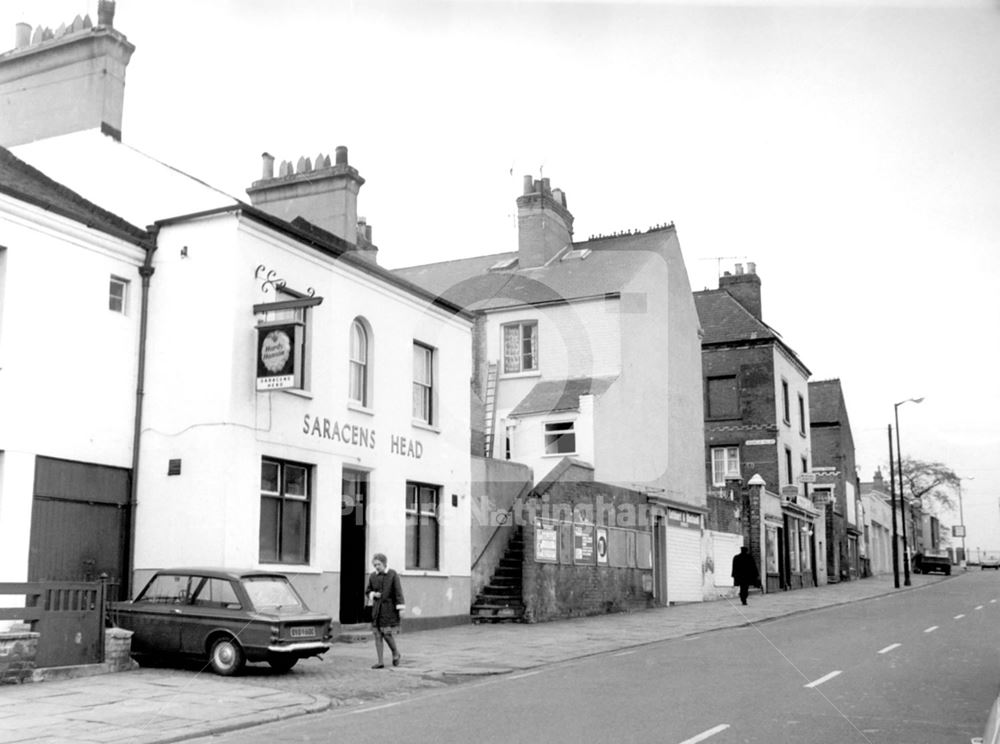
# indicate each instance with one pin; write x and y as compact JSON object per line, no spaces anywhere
{"x":924,"y":563}
{"x":227,"y":617}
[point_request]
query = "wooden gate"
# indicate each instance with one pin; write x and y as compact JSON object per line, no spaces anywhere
{"x":68,"y":617}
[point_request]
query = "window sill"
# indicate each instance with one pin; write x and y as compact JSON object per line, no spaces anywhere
{"x":289,"y":568}
{"x":560,"y":454}
{"x":417,"y":424}
{"x":517,"y":375}
{"x":358,"y":408}
{"x":297,"y":392}
{"x":425,"y":573}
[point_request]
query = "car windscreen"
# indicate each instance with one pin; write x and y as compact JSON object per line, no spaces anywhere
{"x":271,"y":592}
{"x":167,"y":589}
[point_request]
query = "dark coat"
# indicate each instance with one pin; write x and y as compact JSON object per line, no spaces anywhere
{"x":384,"y":612}
{"x":745,"y":570}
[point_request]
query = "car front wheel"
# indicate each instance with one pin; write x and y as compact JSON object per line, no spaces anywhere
{"x":226,"y":657}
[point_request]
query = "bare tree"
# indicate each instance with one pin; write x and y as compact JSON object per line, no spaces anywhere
{"x":932,"y":483}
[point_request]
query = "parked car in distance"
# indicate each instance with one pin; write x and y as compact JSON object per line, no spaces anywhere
{"x":930,"y":563}
{"x":990,"y":560}
{"x":227,"y":617}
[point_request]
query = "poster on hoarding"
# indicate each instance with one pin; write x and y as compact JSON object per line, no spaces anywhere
{"x":546,"y":542}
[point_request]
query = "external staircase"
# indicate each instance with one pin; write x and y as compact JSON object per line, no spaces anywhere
{"x":502,"y":599}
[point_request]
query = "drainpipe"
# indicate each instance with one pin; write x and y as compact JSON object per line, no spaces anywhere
{"x":146,"y":272}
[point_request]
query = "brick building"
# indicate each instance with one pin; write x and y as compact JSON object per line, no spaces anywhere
{"x":837,"y":481}
{"x":757,"y":426}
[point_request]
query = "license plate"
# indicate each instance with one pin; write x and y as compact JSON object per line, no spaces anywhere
{"x":303,"y":632}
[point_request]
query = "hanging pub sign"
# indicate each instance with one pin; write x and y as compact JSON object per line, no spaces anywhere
{"x":279,"y":355}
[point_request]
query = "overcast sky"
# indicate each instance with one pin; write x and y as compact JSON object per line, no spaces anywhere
{"x":849,"y":149}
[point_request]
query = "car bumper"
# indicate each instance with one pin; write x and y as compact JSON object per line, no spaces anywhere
{"x":307,"y":648}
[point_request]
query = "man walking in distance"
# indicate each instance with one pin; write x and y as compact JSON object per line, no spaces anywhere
{"x":745,"y":573}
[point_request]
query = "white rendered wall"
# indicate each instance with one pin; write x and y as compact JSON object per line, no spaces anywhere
{"x":203,"y":408}
{"x":789,"y":434}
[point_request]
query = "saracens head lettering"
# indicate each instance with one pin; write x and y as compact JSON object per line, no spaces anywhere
{"x":338,"y":431}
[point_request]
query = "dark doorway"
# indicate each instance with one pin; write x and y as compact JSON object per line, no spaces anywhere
{"x":353,"y":548}
{"x":783,"y":557}
{"x":79,"y":522}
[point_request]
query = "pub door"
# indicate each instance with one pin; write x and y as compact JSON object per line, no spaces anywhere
{"x":353,"y":546}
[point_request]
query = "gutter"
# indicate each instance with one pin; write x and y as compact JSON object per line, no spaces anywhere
{"x":146,"y":272}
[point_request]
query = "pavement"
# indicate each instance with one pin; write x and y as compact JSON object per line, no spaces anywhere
{"x":170,"y":704}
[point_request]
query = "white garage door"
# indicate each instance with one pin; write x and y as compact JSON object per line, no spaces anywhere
{"x":684,"y":565}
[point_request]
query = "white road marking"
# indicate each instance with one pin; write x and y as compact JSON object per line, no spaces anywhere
{"x":890,"y":647}
{"x":931,"y":629}
{"x":958,"y":617}
{"x":522,"y":676}
{"x":624,"y":653}
{"x":706,"y":734}
{"x":375,"y":707}
{"x":824,"y":678}
{"x":979,"y":607}
{"x":992,"y":601}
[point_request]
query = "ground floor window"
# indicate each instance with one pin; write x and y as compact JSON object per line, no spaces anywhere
{"x":560,"y":438}
{"x":771,"y":550}
{"x":422,"y":526}
{"x":284,"y":512}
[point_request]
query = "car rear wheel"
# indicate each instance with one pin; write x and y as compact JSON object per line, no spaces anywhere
{"x":226,"y":657}
{"x":282,"y":663}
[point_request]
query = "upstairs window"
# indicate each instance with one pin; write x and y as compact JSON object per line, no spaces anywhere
{"x":520,"y":347}
{"x":723,"y":397}
{"x":359,"y":366}
{"x":725,"y":464}
{"x":560,"y":438}
{"x":802,"y":415}
{"x":786,"y":412}
{"x":118,"y":295}
{"x":423,"y":383}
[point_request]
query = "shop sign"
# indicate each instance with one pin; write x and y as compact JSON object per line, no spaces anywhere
{"x":279,"y":356}
{"x":958,"y":530}
{"x":546,"y":542}
{"x":338,"y":431}
{"x":678,"y":518}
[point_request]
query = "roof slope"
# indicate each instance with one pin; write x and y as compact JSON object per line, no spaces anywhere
{"x":24,"y":182}
{"x":589,"y":269}
{"x":725,"y":320}
{"x":552,"y":396}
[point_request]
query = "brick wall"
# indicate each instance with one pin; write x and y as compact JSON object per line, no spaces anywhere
{"x":18,"y":650}
{"x":565,"y":589}
{"x":722,"y":517}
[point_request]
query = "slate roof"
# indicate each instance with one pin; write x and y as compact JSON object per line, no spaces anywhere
{"x":724,"y":320}
{"x":551,"y":396}
{"x":22,"y":181}
{"x":588,"y":269}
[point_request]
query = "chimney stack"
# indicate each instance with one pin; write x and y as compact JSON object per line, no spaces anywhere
{"x":544,"y":224}
{"x":70,"y":80}
{"x":106,"y":13}
{"x":744,"y":287}
{"x":323,"y":194}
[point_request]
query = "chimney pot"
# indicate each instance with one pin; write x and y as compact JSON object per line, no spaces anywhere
{"x":341,"y":155}
{"x":22,"y":35}
{"x":529,"y":185}
{"x":106,"y":13}
{"x":268,"y":165}
{"x":739,"y":269}
{"x":546,"y":188}
{"x":751,"y":267}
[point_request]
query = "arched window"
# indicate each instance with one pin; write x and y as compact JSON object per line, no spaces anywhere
{"x":359,"y":363}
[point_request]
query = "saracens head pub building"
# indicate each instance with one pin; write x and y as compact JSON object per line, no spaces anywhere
{"x":297,"y":407}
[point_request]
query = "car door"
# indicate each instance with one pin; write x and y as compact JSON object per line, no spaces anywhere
{"x":214,"y":605}
{"x":157,"y":613}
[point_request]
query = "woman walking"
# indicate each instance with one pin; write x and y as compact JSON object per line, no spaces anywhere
{"x":385,"y":595}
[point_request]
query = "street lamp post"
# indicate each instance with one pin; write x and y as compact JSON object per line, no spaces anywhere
{"x":892,"y":490}
{"x":902,"y":492}
{"x":961,"y":519}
